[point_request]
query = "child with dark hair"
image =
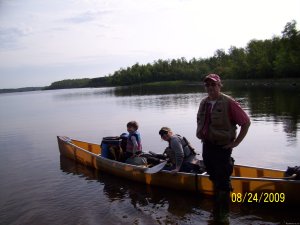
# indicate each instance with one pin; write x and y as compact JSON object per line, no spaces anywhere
{"x":134,"y":143}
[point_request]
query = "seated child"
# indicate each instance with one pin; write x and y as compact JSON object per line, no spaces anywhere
{"x":134,"y":144}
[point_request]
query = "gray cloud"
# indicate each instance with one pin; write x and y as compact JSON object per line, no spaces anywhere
{"x":10,"y":36}
{"x":87,"y":16}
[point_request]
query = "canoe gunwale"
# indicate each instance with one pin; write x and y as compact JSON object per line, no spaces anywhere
{"x":265,"y":179}
{"x":262,"y":168}
{"x":274,"y":183}
{"x":99,"y":155}
{"x":68,"y":142}
{"x":82,"y":149}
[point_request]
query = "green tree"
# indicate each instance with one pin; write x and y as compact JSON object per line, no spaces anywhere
{"x":287,"y":62}
{"x":237,"y":66}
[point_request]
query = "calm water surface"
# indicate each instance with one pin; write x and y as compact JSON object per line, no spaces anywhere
{"x":40,"y":187}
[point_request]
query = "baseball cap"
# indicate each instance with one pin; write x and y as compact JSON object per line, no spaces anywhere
{"x":213,"y":77}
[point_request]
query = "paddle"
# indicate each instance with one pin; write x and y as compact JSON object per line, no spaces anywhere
{"x":155,"y":169}
{"x":292,"y":177}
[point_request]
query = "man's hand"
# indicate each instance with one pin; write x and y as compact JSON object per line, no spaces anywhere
{"x":231,"y":145}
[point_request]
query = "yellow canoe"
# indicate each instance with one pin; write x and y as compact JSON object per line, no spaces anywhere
{"x":250,"y":184}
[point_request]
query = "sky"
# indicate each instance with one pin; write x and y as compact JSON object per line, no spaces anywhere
{"x":50,"y":40}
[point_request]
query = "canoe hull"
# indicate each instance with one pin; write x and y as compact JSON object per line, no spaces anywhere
{"x":249,"y":183}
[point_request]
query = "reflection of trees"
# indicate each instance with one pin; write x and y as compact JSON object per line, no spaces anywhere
{"x":270,"y":101}
{"x":174,"y":101}
{"x":290,"y":128}
{"x":158,"y":89}
{"x":276,"y":102}
{"x":279,"y":104}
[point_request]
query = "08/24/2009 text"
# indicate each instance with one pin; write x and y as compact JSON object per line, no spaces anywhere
{"x":263,"y":197}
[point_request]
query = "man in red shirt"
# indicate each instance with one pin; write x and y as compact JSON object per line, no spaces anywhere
{"x":217,"y":118}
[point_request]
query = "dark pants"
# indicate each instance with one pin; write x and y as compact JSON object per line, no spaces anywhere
{"x":219,"y":165}
{"x":129,"y":155}
{"x":185,"y":167}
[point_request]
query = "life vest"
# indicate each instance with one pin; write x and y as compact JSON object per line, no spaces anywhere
{"x":129,"y":146}
{"x":186,"y":146}
{"x":220,"y":130}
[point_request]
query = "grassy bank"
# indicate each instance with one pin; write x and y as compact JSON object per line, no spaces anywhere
{"x":287,"y":82}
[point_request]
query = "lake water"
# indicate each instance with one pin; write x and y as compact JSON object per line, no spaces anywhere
{"x":40,"y":187}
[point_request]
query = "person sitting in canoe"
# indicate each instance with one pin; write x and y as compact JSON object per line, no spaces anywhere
{"x":134,"y":142}
{"x":132,"y":147}
{"x":179,"y":152}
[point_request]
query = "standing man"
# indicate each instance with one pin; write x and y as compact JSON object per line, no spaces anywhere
{"x":217,"y":118}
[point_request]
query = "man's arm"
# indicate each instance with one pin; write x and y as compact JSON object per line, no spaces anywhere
{"x":242,"y":134}
{"x":240,"y":117}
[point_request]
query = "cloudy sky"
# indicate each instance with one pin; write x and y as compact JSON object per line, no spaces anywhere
{"x":42,"y":41}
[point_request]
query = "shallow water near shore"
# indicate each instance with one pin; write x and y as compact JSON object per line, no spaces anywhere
{"x":40,"y":187}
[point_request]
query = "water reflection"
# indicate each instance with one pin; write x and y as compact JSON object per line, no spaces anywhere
{"x":268,"y":103}
{"x":265,"y":103}
{"x":170,"y":101}
{"x":161,"y":89}
{"x":82,"y":93}
{"x":162,"y":206}
{"x":152,"y":201}
{"x":277,"y":104}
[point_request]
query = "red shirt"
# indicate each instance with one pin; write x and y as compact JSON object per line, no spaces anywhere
{"x":236,"y":114}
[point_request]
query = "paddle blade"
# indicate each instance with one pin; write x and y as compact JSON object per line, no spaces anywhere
{"x":156,"y":169}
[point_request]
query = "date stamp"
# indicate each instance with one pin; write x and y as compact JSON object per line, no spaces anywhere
{"x":263,"y":197}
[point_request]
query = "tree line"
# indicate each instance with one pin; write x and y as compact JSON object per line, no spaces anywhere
{"x":278,"y":57}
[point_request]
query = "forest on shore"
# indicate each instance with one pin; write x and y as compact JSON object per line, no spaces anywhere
{"x":274,"y":58}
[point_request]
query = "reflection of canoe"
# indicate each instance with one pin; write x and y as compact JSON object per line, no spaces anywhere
{"x":119,"y":190}
{"x":249,"y":183}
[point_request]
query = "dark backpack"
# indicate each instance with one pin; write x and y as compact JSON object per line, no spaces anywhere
{"x":187,"y":143}
{"x":293,"y":173}
{"x":124,"y":138}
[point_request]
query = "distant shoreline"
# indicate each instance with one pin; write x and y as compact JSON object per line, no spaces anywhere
{"x":24,"y":89}
{"x":286,"y":82}
{"x":269,"y":63}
